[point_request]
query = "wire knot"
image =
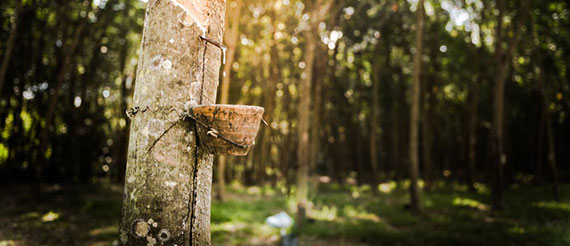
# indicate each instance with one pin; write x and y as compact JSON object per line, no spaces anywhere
{"x":132,"y":112}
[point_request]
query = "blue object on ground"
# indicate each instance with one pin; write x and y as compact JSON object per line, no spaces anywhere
{"x":281,"y":220}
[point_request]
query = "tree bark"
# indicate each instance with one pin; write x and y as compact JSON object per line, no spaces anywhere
{"x":415,"y":112}
{"x":168,"y":179}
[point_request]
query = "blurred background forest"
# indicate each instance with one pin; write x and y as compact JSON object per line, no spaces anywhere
{"x":484,"y":119}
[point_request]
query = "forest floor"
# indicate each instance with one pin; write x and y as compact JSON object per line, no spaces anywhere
{"x":340,"y":215}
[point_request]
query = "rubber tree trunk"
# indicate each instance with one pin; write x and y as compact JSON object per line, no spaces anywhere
{"x":304,"y":110}
{"x":9,"y":47}
{"x":552,"y":158}
{"x":285,"y":150}
{"x":473,"y":119}
{"x":303,"y":128}
{"x":54,"y":98}
{"x":502,"y":61}
{"x":316,"y":116}
{"x":265,"y":159}
{"x":539,"y":149}
{"x":428,"y":106}
{"x":394,"y":123}
{"x":121,"y":154}
{"x":318,"y":10}
{"x":269,"y":102}
{"x":427,"y":132}
{"x":415,"y":112}
{"x":230,"y":41}
{"x":168,"y":179}
{"x":375,"y":123}
{"x":499,"y":158}
{"x":547,"y":120}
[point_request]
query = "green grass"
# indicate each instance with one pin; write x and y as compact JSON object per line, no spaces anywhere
{"x":339,"y":215}
{"x":451,"y":216}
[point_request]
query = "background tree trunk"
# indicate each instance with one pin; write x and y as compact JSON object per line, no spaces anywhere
{"x":304,"y":112}
{"x":231,"y":41}
{"x":472,"y":120}
{"x":427,"y":132}
{"x":274,"y":77}
{"x":265,"y":159}
{"x":121,"y":155}
{"x":497,"y":132}
{"x":551,"y":157}
{"x":415,"y":112}
{"x":316,"y":116}
{"x":502,"y":61}
{"x":168,"y":178}
{"x":317,"y":13}
{"x":9,"y":47}
{"x":62,"y":75}
{"x":375,"y":123}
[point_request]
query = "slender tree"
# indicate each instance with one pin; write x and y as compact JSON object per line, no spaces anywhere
{"x":269,"y":102}
{"x":9,"y":45}
{"x":121,"y":155}
{"x":230,"y":39}
{"x":472,"y":117}
{"x":303,"y":152}
{"x":317,"y":13}
{"x":375,"y":121}
{"x":502,"y":61}
{"x":415,"y":112}
{"x":547,"y":120}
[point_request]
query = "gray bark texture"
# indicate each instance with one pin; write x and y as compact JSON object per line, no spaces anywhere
{"x":168,"y":178}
